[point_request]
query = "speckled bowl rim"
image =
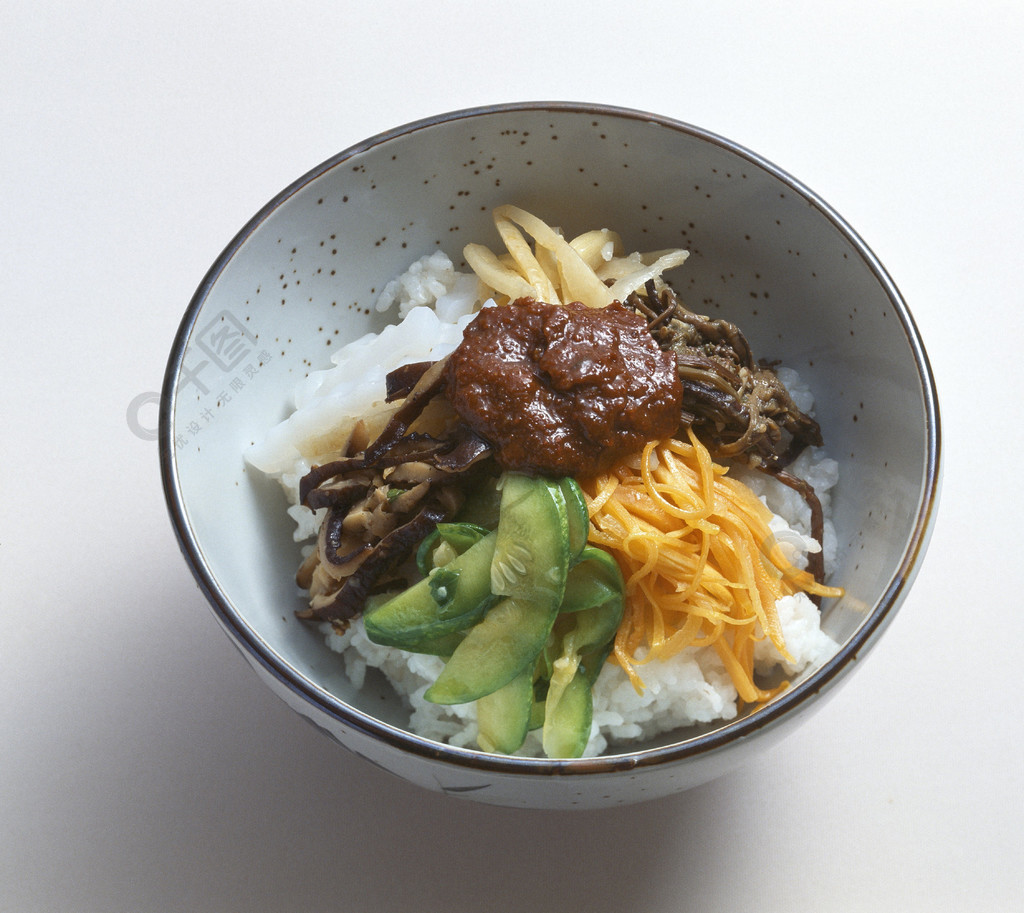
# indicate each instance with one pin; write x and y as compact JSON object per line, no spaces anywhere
{"x":690,"y":748}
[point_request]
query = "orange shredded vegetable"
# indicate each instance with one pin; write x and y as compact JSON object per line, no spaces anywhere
{"x":701,"y":565}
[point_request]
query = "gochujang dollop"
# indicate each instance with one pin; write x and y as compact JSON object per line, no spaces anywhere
{"x":563,"y":390}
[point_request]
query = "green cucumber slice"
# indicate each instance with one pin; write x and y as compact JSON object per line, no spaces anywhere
{"x":589,"y":618}
{"x":595,"y":628}
{"x":454,"y":537}
{"x":503,"y":716}
{"x":450,"y":599}
{"x":591,"y":663}
{"x":577,"y":515}
{"x":531,"y":556}
{"x":505,"y":642}
{"x":567,"y":719}
{"x":461,"y":536}
{"x":536,"y":714}
{"x":582,"y":638}
{"x":442,"y":645}
{"x":594,"y":580}
{"x":425,"y":552}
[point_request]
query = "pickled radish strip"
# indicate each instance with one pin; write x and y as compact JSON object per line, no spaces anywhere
{"x":557,"y":271}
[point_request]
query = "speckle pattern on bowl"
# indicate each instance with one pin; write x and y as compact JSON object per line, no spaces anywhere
{"x":302,"y":278}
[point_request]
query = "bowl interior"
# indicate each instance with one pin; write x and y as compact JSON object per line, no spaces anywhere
{"x":302,"y":278}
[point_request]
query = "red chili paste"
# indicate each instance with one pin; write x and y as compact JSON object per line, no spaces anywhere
{"x":563,"y":390}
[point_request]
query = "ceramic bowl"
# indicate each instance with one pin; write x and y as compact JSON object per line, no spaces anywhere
{"x":302,"y":276}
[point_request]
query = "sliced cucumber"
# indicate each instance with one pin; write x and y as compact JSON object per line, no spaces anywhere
{"x":442,"y":645}
{"x":461,"y":536}
{"x":449,"y":538}
{"x":590,"y":616}
{"x":450,"y":599}
{"x":525,"y":614}
{"x":591,"y":663}
{"x":536,"y":714}
{"x":503,"y":716}
{"x":567,"y":719}
{"x":531,"y":556}
{"x":505,"y":642}
{"x":577,"y":515}
{"x":595,"y":627}
{"x":529,"y":568}
{"x":581,"y":638}
{"x":425,"y":562}
{"x":590,"y":612}
{"x":594,"y":580}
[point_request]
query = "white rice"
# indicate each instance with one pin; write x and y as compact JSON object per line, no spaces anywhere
{"x":435,"y":303}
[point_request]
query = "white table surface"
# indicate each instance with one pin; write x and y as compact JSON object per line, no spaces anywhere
{"x":143,"y":767}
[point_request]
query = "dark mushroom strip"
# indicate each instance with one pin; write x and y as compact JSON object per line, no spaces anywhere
{"x":720,"y":333}
{"x":655,"y":319}
{"x":385,"y":556}
{"x":322,"y":588}
{"x":413,"y":473}
{"x":736,"y":405}
{"x":400,"y":382}
{"x":320,"y":474}
{"x":339,"y":496}
{"x":414,"y":447}
{"x":815,"y":560}
{"x":707,"y":398}
{"x":382,"y":502}
{"x":469,"y":450}
{"x":411,"y":447}
{"x":698,"y":368}
{"x":332,"y":535}
{"x":426,"y":387}
{"x":804,"y":431}
{"x":372,"y":518}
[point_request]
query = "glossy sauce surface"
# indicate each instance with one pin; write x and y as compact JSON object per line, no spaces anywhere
{"x":563,"y":390}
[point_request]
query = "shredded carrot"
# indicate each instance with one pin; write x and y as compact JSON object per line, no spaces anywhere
{"x":701,"y":565}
